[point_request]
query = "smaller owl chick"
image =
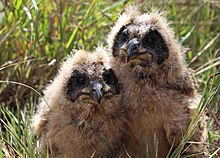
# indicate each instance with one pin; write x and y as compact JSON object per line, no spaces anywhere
{"x":80,"y":115}
{"x":158,"y":88}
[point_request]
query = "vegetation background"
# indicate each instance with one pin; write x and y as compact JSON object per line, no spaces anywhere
{"x":35,"y":36}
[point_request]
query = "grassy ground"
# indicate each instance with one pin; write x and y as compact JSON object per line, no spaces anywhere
{"x":36,"y":35}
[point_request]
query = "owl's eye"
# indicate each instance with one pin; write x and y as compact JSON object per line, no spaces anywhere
{"x":155,"y":44}
{"x":80,"y":80}
{"x":152,"y":40}
{"x":109,"y":77}
{"x":76,"y":83}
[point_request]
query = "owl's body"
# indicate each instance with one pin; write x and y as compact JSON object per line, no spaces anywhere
{"x":160,"y":114}
{"x":82,"y":117}
{"x":158,"y":89}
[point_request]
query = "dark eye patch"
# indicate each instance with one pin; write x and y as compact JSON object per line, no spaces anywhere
{"x":154,"y":42}
{"x":80,"y":80}
{"x":124,"y":36}
{"x":110,"y":79}
{"x":77,"y":82}
{"x":121,"y":38}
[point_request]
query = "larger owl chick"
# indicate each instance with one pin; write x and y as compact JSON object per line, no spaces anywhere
{"x":80,"y":115}
{"x":147,"y":43}
{"x":158,"y":88}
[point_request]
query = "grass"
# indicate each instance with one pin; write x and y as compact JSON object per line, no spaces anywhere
{"x":36,"y":35}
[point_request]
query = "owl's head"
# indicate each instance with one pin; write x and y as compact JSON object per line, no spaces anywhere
{"x":85,"y":80}
{"x":146,"y":43}
{"x":84,"y":92}
{"x":91,"y":79}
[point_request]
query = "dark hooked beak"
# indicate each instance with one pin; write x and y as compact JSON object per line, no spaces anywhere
{"x":133,"y":47}
{"x":96,"y":91}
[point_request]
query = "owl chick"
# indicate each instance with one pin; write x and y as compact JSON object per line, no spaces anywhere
{"x":158,"y":88}
{"x":80,"y":115}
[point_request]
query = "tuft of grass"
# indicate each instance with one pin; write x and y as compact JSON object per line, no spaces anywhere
{"x":36,"y":35}
{"x":206,"y":100}
{"x":17,"y":140}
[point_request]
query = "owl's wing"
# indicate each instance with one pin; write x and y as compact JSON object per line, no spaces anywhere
{"x":192,"y":78}
{"x":39,"y":123}
{"x":186,"y":83}
{"x":39,"y":120}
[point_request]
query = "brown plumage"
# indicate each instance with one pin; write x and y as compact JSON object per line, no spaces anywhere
{"x":158,"y":89}
{"x":81,"y":116}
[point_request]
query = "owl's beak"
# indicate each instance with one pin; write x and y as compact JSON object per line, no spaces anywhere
{"x":133,"y":46}
{"x":96,"y":91}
